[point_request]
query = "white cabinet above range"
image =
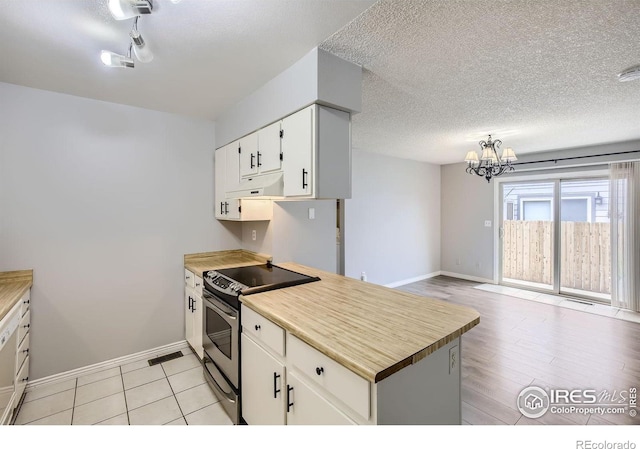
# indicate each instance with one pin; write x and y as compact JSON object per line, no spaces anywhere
{"x":306,"y":155}
{"x":227,"y":176}
{"x":260,"y":152}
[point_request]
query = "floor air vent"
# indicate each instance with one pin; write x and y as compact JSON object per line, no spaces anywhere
{"x":165,"y":358}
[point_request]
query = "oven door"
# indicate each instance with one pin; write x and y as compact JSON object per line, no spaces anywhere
{"x":220,"y":336}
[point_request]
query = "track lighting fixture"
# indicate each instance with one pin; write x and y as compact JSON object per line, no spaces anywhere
{"x":128,"y":9}
{"x":137,"y":44}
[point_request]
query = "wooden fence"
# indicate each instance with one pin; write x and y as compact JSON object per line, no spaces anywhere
{"x":585,"y":254}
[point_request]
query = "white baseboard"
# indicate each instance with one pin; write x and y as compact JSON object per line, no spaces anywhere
{"x":467,"y":277}
{"x":411,"y":280}
{"x":90,"y":369}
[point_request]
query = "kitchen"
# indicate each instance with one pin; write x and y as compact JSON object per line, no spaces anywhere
{"x":98,"y":216}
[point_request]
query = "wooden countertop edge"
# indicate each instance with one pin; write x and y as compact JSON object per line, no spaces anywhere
{"x":16,"y":276}
{"x":212,"y":260}
{"x":17,"y":283}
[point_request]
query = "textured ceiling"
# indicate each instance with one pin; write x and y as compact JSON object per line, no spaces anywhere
{"x":537,"y":74}
{"x":209,"y":54}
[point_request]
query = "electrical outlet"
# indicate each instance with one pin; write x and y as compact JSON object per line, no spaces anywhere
{"x":458,"y":261}
{"x":363,"y":276}
{"x":454,"y":356}
{"x":487,"y":223}
{"x":312,"y":213}
{"x":253,"y":235}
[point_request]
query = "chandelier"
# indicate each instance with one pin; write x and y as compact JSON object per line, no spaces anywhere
{"x":490,"y":164}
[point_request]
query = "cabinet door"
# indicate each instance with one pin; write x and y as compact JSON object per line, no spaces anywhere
{"x":232,"y":171}
{"x":197,"y":325}
{"x":309,"y":407}
{"x":232,"y":209}
{"x":189,"y":298}
{"x":263,"y":385}
{"x":249,"y":155}
{"x":297,"y":150}
{"x":219,"y":181}
{"x":269,"y":148}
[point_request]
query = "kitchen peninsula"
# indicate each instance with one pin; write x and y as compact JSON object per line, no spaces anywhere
{"x":343,"y":351}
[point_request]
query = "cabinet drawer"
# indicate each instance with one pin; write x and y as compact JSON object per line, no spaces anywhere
{"x":23,"y":352}
{"x":189,"y":278}
{"x":263,"y":330}
{"x":23,"y":374}
{"x":198,"y":285}
{"x":25,"y":303}
{"x":23,"y":327}
{"x":350,"y":388}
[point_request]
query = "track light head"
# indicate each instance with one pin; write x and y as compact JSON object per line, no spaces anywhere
{"x":111,"y":59}
{"x":127,"y":9}
{"x":140,"y":48}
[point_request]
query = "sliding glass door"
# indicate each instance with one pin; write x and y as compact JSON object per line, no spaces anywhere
{"x":555,"y":236}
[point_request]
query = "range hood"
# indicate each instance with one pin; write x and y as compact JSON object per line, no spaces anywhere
{"x":259,"y":186}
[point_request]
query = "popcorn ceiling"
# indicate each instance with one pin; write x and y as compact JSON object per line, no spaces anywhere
{"x":543,"y":72}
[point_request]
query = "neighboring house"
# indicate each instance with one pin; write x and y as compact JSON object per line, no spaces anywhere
{"x":582,"y":201}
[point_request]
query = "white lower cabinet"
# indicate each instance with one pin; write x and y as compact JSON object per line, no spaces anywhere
{"x":286,"y":381}
{"x":193,"y":314}
{"x":14,"y":359}
{"x":263,"y":385}
{"x":277,"y":387}
{"x":306,"y":406}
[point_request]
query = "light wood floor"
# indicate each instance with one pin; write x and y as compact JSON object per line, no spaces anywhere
{"x":520,"y":343}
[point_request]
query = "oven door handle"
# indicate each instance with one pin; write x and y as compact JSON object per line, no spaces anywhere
{"x":219,"y":309}
{"x":228,"y":396}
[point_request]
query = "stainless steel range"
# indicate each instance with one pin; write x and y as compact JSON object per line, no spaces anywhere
{"x":221,"y":326}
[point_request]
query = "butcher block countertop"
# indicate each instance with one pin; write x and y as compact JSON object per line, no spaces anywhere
{"x":201,"y":262}
{"x":13,"y":284}
{"x":372,"y":330}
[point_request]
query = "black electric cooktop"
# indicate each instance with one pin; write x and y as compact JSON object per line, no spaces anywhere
{"x":229,"y":283}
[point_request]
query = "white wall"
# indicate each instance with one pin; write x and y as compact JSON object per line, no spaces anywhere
{"x":296,"y":238}
{"x":392,"y":222}
{"x":467,"y":201}
{"x":102,"y":201}
{"x":292,"y":237}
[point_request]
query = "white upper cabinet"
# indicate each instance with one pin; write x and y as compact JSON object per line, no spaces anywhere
{"x":316,"y":151}
{"x":249,"y":155}
{"x":232,"y":166}
{"x":311,"y":148}
{"x":259,"y":152}
{"x":297,"y":151}
{"x":269,"y":151}
{"x":226,"y":178}
{"x":220,"y":162}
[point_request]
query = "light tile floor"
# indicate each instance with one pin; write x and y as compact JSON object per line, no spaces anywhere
{"x":174,"y":392}
{"x":560,"y":301}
